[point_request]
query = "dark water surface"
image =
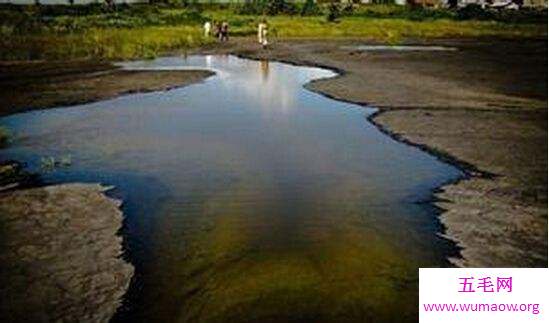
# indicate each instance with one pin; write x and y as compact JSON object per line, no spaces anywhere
{"x":251,"y":199}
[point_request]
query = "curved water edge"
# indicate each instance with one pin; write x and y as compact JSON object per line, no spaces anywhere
{"x":61,"y":257}
{"x":269,"y":193}
{"x":469,"y":170}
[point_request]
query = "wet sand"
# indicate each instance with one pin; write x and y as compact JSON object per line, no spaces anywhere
{"x":37,"y":85}
{"x":482,"y":107}
{"x":60,"y":255}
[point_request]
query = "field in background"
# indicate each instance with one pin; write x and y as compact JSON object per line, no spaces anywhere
{"x":145,"y":31}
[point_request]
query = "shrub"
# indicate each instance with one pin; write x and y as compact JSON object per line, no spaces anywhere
{"x":250,"y":7}
{"x":524,"y":15}
{"x":310,"y":8}
{"x":333,"y":12}
{"x":275,"y":7}
{"x":473,"y":11}
{"x":268,"y":7}
{"x":348,"y":9}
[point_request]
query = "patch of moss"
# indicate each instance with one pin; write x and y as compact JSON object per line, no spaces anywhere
{"x":4,"y":136}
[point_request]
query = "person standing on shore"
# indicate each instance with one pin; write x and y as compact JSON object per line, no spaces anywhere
{"x":217,"y":29}
{"x":262,"y":30}
{"x":207,"y":29}
{"x":224,"y":31}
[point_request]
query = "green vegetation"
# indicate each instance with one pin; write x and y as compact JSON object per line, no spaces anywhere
{"x":4,"y":137}
{"x":310,"y":8}
{"x":137,"y":31}
{"x":333,"y":12}
{"x":470,"y":12}
{"x":396,"y":29}
{"x":50,"y":163}
{"x":381,"y":22}
{"x":117,"y":43}
{"x":59,"y":32}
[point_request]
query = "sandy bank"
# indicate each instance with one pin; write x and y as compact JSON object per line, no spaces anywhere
{"x":482,"y":107}
{"x":60,"y":255}
{"x":37,"y":85}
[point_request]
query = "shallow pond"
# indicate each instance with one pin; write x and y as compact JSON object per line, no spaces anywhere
{"x":251,"y":199}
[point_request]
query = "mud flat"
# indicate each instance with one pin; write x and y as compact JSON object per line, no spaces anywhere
{"x":37,"y":85}
{"x":499,"y":218}
{"x":60,"y":254}
{"x":482,"y":106}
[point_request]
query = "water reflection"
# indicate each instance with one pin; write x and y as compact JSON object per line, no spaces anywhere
{"x":277,"y":204}
{"x":264,"y":69}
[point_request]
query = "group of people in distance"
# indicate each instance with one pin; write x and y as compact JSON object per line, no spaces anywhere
{"x":220,"y":30}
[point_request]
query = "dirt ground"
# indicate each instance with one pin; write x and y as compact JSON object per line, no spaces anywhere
{"x":27,"y":86}
{"x":60,"y":255}
{"x":482,"y":106}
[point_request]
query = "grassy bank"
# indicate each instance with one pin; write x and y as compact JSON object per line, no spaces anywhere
{"x":60,"y":32}
{"x":115,"y":43}
{"x":94,"y":31}
{"x":390,"y":29}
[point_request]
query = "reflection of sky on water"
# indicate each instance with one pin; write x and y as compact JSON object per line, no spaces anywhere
{"x":275,"y":88}
{"x":266,"y":195}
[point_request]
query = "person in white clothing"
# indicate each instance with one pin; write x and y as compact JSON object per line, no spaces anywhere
{"x":262,"y":31}
{"x":207,"y":29}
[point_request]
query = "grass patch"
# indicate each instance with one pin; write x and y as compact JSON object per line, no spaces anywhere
{"x":382,"y":29}
{"x":106,"y":43}
{"x":61,"y":32}
{"x":145,"y":31}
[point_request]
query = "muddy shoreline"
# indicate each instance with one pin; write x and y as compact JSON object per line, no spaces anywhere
{"x":30,"y":86}
{"x":61,"y":254}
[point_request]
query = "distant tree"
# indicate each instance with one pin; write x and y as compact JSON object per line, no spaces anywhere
{"x":110,"y":4}
{"x":310,"y":8}
{"x":333,"y":11}
{"x":348,"y":9}
{"x":275,"y":7}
